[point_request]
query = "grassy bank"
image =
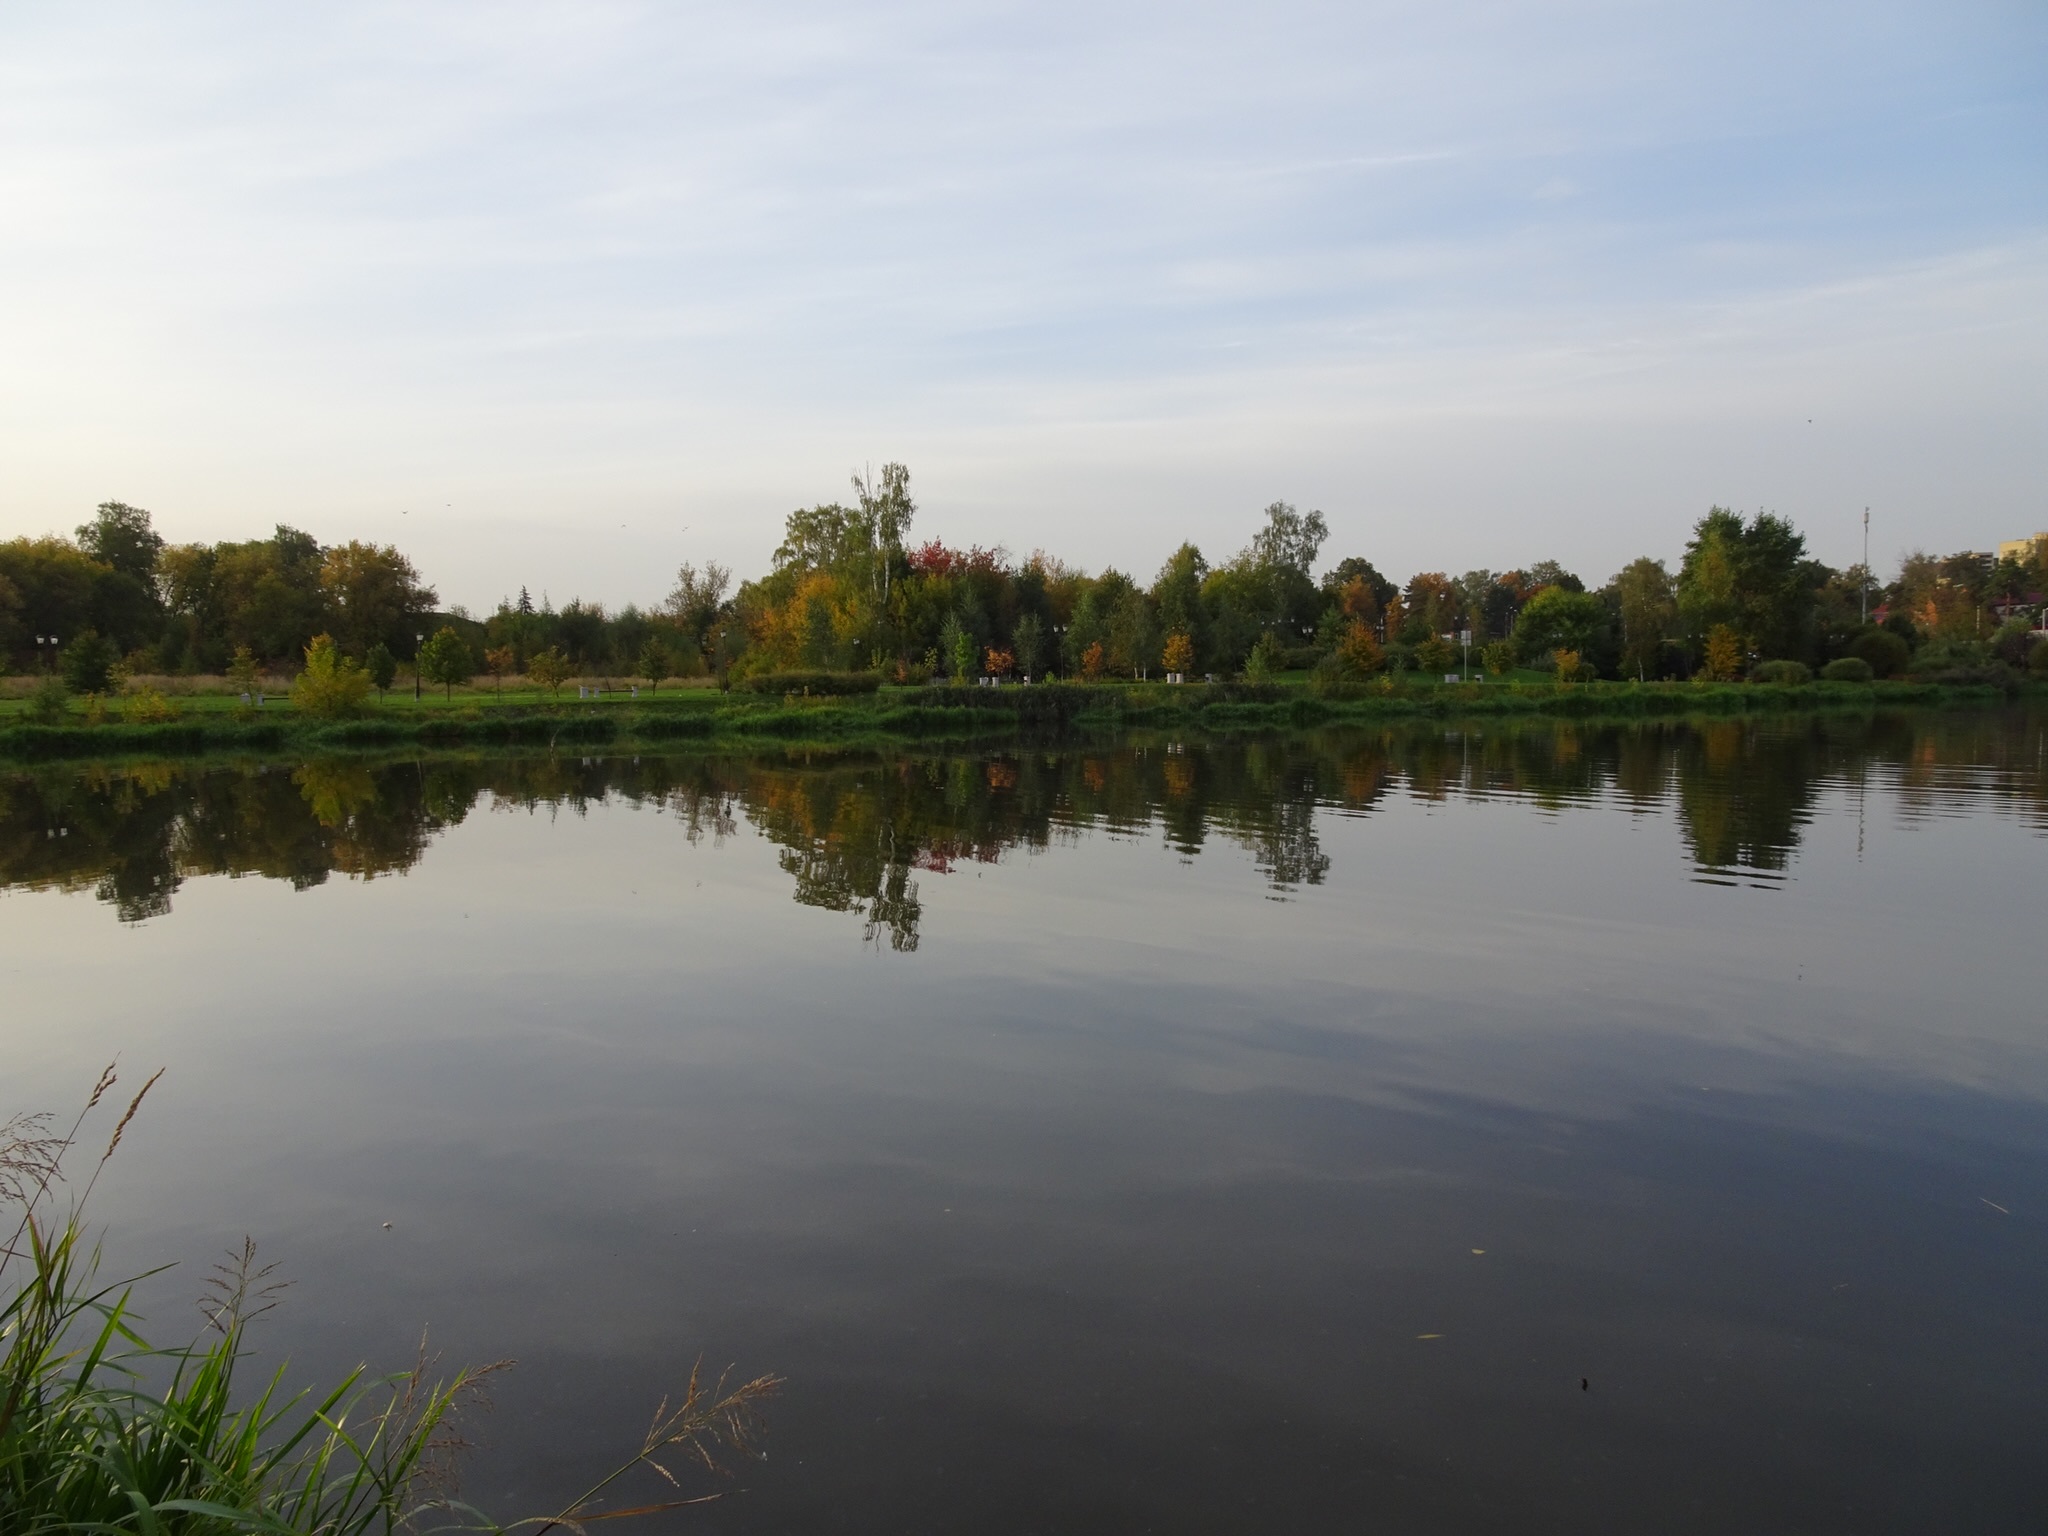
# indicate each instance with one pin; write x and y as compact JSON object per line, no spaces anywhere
{"x":962,"y":714}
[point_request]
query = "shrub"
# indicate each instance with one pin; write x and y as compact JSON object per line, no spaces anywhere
{"x":1436,"y":654}
{"x":1787,"y":672}
{"x":147,"y":708}
{"x":1945,"y":657}
{"x":333,"y":686}
{"x":814,"y":683}
{"x":2012,"y":641}
{"x":50,"y":702}
{"x":1499,"y":657}
{"x":1847,"y":669}
{"x":1886,"y":652}
{"x":2037,"y":658}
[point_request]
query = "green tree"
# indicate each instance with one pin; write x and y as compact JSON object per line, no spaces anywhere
{"x":1263,"y":660}
{"x":884,"y":518}
{"x":382,"y":667}
{"x":1437,"y":655}
{"x":1753,"y":577}
{"x":88,"y":662}
{"x":332,"y":686}
{"x":656,"y":662}
{"x":1644,"y":595}
{"x":445,"y":659}
{"x":1177,"y":600}
{"x":1559,"y":619}
{"x":120,"y":536}
{"x":1028,"y":642}
{"x":963,"y":653}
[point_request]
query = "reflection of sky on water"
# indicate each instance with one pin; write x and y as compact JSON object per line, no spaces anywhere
{"x":1126,"y":1198}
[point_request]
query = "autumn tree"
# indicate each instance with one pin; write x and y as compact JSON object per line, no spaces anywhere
{"x":1358,"y":653}
{"x":500,"y":661}
{"x":1723,"y":654}
{"x":1179,"y":653}
{"x":332,"y":686}
{"x":373,"y":595}
{"x":550,"y":669}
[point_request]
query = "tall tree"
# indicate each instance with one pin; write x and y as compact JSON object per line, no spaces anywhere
{"x":1644,"y":600}
{"x":374,"y":595}
{"x":121,"y":536}
{"x":886,"y":512}
{"x":1753,"y":577}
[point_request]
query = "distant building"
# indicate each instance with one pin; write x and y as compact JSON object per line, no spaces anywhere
{"x":2022,"y":550}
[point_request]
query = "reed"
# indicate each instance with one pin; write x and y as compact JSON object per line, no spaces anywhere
{"x":103,"y":1432}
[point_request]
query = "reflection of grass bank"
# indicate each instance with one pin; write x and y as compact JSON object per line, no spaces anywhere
{"x":944,"y":714}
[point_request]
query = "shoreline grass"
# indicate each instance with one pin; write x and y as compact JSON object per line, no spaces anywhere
{"x":1051,"y":711}
{"x":103,"y":1432}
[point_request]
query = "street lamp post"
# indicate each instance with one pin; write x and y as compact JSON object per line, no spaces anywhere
{"x":1865,"y":583}
{"x":417,"y":642}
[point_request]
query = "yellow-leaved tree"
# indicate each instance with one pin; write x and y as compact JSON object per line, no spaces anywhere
{"x":333,"y":686}
{"x":1179,"y":655}
{"x":1723,"y":661}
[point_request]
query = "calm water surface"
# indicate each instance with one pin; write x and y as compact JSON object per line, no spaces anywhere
{"x":1251,"y":1137}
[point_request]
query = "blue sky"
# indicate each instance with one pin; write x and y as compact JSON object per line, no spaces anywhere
{"x":564,"y":295}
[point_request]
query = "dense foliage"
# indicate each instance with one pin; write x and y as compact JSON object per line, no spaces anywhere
{"x":850,"y":590}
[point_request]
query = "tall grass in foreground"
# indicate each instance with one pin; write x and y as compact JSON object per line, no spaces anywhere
{"x":103,"y":1432}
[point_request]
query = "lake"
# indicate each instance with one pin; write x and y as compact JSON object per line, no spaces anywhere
{"x":1539,"y":1127}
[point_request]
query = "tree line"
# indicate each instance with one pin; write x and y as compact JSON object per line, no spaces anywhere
{"x":849,"y":588}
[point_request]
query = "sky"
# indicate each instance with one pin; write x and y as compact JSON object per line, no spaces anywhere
{"x":564,"y":295}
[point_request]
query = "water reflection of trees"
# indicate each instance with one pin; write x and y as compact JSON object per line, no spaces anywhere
{"x":859,"y":835}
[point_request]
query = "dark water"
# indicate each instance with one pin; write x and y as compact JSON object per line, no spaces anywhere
{"x":1255,"y":1137}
